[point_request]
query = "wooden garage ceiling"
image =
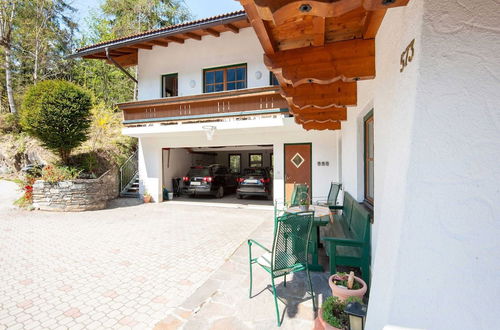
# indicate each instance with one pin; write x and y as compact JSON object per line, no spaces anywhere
{"x":318,"y":50}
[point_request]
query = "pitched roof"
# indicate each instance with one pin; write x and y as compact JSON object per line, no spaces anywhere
{"x":162,"y":32}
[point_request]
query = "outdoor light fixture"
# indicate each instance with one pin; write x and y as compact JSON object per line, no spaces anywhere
{"x":357,"y":314}
{"x":192,"y":83}
{"x":209,"y":131}
{"x":305,"y":8}
{"x":258,"y":75}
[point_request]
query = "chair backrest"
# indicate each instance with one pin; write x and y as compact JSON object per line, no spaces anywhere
{"x":333,"y":193}
{"x":300,"y":190}
{"x":291,"y":242}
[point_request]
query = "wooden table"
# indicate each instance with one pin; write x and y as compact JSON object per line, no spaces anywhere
{"x":322,"y":216}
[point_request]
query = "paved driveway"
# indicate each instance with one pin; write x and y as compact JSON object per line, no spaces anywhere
{"x":127,"y":266}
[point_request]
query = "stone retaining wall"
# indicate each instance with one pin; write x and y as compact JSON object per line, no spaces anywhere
{"x":76,"y":195}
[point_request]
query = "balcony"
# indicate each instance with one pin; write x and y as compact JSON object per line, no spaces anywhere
{"x":243,"y":103}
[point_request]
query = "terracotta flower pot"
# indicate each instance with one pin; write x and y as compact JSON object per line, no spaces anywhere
{"x":320,"y":324}
{"x":147,"y":199}
{"x":344,"y":293}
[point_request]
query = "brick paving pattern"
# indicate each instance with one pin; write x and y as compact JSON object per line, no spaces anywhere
{"x":123,"y":267}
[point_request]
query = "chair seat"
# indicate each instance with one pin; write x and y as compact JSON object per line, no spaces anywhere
{"x":265,"y":260}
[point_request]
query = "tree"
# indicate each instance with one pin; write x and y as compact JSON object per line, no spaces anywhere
{"x":7,"y":15}
{"x":58,"y":114}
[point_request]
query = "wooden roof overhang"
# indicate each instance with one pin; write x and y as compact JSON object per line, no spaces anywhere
{"x":124,"y":51}
{"x":318,"y":50}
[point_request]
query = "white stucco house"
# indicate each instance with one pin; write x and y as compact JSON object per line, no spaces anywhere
{"x":420,"y":146}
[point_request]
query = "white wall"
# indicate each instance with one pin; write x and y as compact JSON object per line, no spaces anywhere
{"x":283,"y":130}
{"x":189,"y":60}
{"x":437,"y":144}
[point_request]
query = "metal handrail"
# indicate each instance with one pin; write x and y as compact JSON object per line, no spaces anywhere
{"x":128,"y":170}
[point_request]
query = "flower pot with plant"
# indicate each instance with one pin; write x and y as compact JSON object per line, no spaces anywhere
{"x":332,"y":316}
{"x":304,"y":202}
{"x":345,"y":285}
{"x":146,"y":197}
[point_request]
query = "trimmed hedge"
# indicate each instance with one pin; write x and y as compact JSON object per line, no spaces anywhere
{"x":58,"y":114}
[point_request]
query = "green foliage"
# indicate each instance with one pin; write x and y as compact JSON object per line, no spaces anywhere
{"x":341,"y":280}
{"x":9,"y":123}
{"x":333,"y":311}
{"x":55,"y":174}
{"x":58,"y":114}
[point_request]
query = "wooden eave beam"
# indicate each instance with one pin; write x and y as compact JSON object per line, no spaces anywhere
{"x":141,"y":46}
{"x":159,"y":43}
{"x":175,"y":39}
{"x":350,"y":60}
{"x":378,"y":4}
{"x":192,"y":35}
{"x":323,"y":116}
{"x":320,"y":126}
{"x":312,"y":110}
{"x":372,"y":23}
{"x":232,"y":28}
{"x":318,"y":31}
{"x":212,"y":32}
{"x":260,"y":27}
{"x":321,"y":96}
{"x":125,"y":60}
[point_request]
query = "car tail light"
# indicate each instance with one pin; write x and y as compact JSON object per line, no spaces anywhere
{"x":265,"y":180}
{"x":240,"y":179}
{"x":208,"y":179}
{"x":185,"y":179}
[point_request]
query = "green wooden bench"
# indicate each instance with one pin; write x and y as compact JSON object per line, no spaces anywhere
{"x":347,"y":240}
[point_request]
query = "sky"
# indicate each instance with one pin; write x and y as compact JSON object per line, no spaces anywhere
{"x":199,"y":8}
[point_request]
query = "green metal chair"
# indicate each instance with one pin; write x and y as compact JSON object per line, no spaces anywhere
{"x":289,"y":253}
{"x":333,"y":194}
{"x":299,"y":190}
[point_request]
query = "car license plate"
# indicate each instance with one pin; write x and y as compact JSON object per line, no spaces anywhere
{"x":251,"y":181}
{"x":195,"y":183}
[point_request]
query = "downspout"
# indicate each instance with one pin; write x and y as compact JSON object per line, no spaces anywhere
{"x":112,"y":60}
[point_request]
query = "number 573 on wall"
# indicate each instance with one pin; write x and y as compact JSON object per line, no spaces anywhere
{"x":406,"y":57}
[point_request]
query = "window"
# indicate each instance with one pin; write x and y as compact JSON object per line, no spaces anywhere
{"x":225,"y":79}
{"x":169,"y":85}
{"x":235,"y":163}
{"x":273,"y":81}
{"x":255,"y":160}
{"x":369,"y":159}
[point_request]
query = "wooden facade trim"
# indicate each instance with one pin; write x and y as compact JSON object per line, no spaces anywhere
{"x":243,"y":102}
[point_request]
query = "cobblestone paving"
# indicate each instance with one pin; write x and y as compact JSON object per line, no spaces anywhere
{"x":223,"y":302}
{"x":124,"y":267}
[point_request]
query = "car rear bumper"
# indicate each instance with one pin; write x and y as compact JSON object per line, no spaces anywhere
{"x":252,"y":191}
{"x":198,"y":190}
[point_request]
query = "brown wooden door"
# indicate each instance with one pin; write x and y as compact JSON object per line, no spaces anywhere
{"x":297,"y":167}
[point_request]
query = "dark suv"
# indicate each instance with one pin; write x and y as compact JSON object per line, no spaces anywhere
{"x":213,"y":180}
{"x":255,"y":181}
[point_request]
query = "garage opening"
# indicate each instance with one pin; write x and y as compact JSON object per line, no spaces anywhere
{"x":224,"y":174}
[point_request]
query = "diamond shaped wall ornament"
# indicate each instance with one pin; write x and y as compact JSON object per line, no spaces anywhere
{"x":297,"y":160}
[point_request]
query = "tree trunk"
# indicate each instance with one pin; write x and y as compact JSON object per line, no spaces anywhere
{"x":64,"y":154}
{"x":8,"y":81}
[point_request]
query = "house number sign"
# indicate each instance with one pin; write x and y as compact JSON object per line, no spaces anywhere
{"x":407,"y":55}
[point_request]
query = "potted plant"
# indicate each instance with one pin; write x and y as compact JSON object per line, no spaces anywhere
{"x":146,"y":197}
{"x":331,"y":315}
{"x":304,"y":202}
{"x":347,"y":285}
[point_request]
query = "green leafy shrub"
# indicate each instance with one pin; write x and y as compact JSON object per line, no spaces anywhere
{"x":58,"y":114}
{"x":333,"y":311}
{"x":55,"y":174}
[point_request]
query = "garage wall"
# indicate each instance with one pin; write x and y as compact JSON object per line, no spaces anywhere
{"x":179,"y":163}
{"x":324,"y":148}
{"x":223,"y":157}
{"x":189,"y":59}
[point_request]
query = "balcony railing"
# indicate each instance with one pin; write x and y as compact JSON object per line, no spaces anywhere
{"x":212,"y":106}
